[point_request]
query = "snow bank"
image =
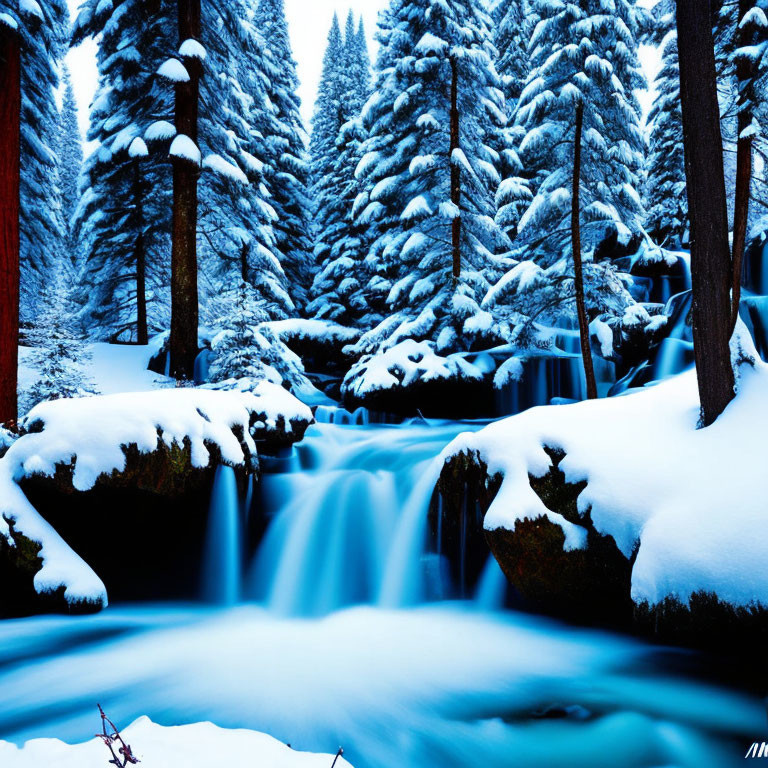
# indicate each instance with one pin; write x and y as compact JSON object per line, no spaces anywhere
{"x":403,"y":365}
{"x":194,"y":746}
{"x":90,"y":434}
{"x":693,"y":503}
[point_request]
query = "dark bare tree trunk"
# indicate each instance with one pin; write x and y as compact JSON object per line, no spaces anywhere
{"x":142,"y":331}
{"x":581,"y":307}
{"x":244,"y":251}
{"x":184,"y":296}
{"x":10,"y":121}
{"x":455,"y":170}
{"x":744,"y":72}
{"x":710,"y":253}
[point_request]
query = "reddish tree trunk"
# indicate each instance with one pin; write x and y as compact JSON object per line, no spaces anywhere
{"x":184,"y":295}
{"x":10,"y":117}
{"x":455,"y":141}
{"x":710,"y":253}
{"x":581,"y":307}
{"x":744,"y":74}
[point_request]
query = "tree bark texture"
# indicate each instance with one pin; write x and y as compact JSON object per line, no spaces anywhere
{"x":711,"y":265}
{"x":10,"y":142}
{"x":184,"y":292}
{"x":578,"y":266}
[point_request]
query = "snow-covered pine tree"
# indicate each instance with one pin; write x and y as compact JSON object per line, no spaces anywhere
{"x":44,"y":27}
{"x":582,"y":52}
{"x":123,"y":218}
{"x":245,"y":350}
{"x":337,"y":289}
{"x":666,"y":199}
{"x":515,"y":21}
{"x":70,"y":166}
{"x":330,"y":115}
{"x":288,"y":172}
{"x":238,"y":240}
{"x":429,"y":175}
{"x":58,"y":352}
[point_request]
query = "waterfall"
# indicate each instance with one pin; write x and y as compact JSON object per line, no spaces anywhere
{"x":350,"y":527}
{"x":491,"y":591}
{"x":222,"y":567}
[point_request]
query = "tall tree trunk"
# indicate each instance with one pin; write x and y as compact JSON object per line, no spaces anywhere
{"x":581,"y":307}
{"x":455,"y":140}
{"x":142,"y":331}
{"x":184,"y":296}
{"x":710,"y":254}
{"x":10,"y":121}
{"x":744,"y":72}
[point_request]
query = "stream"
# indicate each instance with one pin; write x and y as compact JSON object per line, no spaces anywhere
{"x":329,"y":631}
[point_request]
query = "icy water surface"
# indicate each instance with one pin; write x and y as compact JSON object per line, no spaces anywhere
{"x":434,"y":686}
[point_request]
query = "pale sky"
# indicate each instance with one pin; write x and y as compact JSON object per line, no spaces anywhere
{"x":309,"y":22}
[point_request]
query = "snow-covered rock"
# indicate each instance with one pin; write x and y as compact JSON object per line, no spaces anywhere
{"x":77,"y":442}
{"x":686,"y":507}
{"x":407,"y":365}
{"x":194,"y":746}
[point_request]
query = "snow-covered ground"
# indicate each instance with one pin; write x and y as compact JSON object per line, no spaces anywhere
{"x":692,"y":502}
{"x":193,"y":746}
{"x":110,"y":368}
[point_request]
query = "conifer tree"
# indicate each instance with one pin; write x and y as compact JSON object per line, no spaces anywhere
{"x":44,"y":27}
{"x":31,"y":44}
{"x":337,"y":289}
{"x":665,"y":187}
{"x":329,"y":117}
{"x":58,"y":350}
{"x":582,"y":55}
{"x":288,"y":173}
{"x":429,"y":174}
{"x":123,"y":218}
{"x":246,"y":350}
{"x":125,"y":213}
{"x":70,"y":166}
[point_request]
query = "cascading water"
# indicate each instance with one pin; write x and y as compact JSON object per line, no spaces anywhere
{"x":222,"y":567}
{"x":348,"y":523}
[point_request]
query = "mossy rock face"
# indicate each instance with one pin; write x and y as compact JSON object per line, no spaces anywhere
{"x":436,"y":399}
{"x":20,"y":562}
{"x":590,"y":585}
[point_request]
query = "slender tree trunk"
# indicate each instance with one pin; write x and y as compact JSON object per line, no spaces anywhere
{"x":581,"y":307}
{"x":710,"y":253}
{"x":184,"y":296}
{"x":744,"y":73}
{"x":455,"y":170}
{"x":244,"y":250}
{"x":10,"y":121}
{"x":142,"y":331}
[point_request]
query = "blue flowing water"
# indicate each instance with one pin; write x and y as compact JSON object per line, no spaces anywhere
{"x":332,"y":642}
